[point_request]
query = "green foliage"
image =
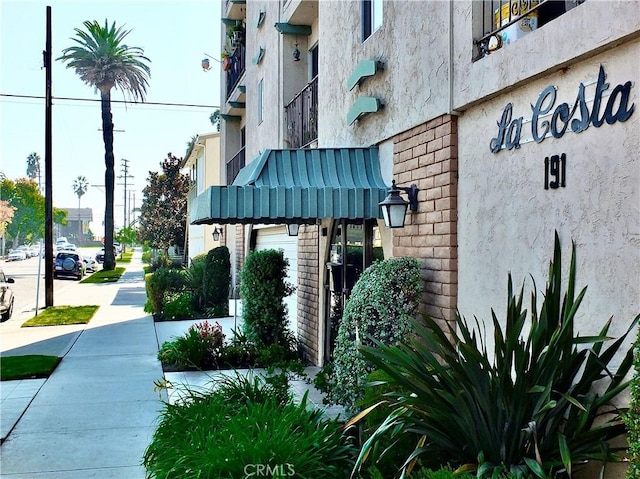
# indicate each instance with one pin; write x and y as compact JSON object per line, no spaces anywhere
{"x":632,"y":418}
{"x":528,"y":408}
{"x":200,"y":348}
{"x":161,"y":282}
{"x":127,"y":235}
{"x":194,"y":280}
{"x":167,"y":192}
{"x":382,"y":304}
{"x":178,"y":305}
{"x":217,"y":277}
{"x":212,"y":436}
{"x":28,"y":220}
{"x":263,"y":288}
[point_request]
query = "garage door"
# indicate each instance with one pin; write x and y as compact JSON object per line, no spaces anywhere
{"x":277,"y":238}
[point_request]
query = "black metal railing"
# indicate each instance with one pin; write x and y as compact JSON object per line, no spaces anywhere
{"x":504,"y":21}
{"x":301,"y":116}
{"x":236,"y":68}
{"x":234,"y":165}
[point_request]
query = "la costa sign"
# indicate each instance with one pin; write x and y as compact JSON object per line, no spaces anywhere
{"x":576,"y":118}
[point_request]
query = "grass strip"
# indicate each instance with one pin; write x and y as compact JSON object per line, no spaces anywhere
{"x":28,"y":366}
{"x":126,"y":257}
{"x":105,"y":276}
{"x":60,"y":315}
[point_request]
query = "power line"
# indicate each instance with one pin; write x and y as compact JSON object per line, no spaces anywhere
{"x":36,"y":97}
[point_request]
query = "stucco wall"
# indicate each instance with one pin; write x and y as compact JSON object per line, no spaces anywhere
{"x":412,"y":43}
{"x":592,"y":27}
{"x":507,"y":219}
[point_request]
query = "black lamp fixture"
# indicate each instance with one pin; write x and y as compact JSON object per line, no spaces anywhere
{"x":296,"y":53}
{"x":292,"y":229}
{"x":394,"y":207}
{"x":206,"y":65}
{"x":217,"y":234}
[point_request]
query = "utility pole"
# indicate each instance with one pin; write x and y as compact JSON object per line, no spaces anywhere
{"x":125,"y":175}
{"x":48,"y":149}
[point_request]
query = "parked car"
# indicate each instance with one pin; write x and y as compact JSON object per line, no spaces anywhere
{"x":68,"y":263}
{"x":100,"y":256}
{"x":16,"y":255}
{"x":90,"y":263}
{"x":34,"y":250}
{"x":6,"y":296}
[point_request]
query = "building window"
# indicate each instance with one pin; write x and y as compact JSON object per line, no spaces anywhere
{"x":260,"y":101}
{"x":371,"y":17}
{"x":502,"y":22}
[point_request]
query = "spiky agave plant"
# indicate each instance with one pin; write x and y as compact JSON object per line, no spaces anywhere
{"x":529,"y":409}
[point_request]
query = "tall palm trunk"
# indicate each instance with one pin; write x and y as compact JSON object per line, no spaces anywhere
{"x":109,"y":179}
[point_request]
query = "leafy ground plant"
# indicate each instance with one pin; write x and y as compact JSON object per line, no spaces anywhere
{"x":230,"y":433}
{"x":199,"y":348}
{"x":59,"y":315}
{"x":529,"y":408}
{"x":27,"y":366}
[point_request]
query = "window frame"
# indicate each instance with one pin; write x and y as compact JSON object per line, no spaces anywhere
{"x":371,"y":16}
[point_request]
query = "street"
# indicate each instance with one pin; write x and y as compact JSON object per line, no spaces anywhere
{"x":25,"y":274}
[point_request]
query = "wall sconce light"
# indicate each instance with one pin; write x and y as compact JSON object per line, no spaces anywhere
{"x":296,"y":53}
{"x":206,"y":66}
{"x":217,"y":234}
{"x":292,"y":229}
{"x":394,"y":207}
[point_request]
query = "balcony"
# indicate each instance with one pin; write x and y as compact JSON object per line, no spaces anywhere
{"x":505,"y":21}
{"x":234,"y":165}
{"x":236,"y":68}
{"x":301,"y":116}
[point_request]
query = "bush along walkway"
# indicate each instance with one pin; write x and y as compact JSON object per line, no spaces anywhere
{"x":95,"y":415}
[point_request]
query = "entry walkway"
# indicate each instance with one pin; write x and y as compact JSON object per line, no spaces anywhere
{"x":95,"y":415}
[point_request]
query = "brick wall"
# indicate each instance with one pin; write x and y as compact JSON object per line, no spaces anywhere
{"x":308,"y":292}
{"x":427,"y":155}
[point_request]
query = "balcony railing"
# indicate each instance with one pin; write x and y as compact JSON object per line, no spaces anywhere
{"x":234,"y":165}
{"x":504,"y":21}
{"x":301,"y":115}
{"x":235,"y":72}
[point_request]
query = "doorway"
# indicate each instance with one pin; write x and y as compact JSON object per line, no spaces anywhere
{"x":354,"y":246}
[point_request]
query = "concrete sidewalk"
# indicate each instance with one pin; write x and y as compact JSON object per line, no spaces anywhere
{"x":95,"y":415}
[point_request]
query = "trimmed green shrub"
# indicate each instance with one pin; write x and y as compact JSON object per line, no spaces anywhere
{"x":263,"y":287}
{"x":217,"y":278}
{"x":199,"y":348}
{"x":178,"y":305}
{"x":159,"y":283}
{"x":194,"y":281}
{"x":230,"y":433}
{"x":632,"y":419}
{"x":382,"y":304}
{"x":529,"y":407}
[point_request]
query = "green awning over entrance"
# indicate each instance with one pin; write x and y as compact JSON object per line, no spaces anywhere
{"x":297,"y":186}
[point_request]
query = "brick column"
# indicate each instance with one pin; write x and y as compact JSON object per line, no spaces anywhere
{"x":308,"y":292}
{"x":427,"y":155}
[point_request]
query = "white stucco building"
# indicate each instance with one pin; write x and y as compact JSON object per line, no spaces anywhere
{"x":343,"y":97}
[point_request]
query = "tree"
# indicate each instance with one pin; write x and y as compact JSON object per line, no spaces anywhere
{"x":166,"y":192}
{"x":102,"y":60}
{"x":33,"y":167}
{"x":80,"y":185}
{"x":27,"y":202}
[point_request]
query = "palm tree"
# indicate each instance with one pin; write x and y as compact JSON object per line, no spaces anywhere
{"x":103,"y":61}
{"x":33,"y":167}
{"x":80,"y":185}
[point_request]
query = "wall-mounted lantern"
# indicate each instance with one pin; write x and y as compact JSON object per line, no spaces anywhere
{"x":296,"y":53}
{"x":292,"y":229}
{"x":394,"y":207}
{"x":217,"y":234}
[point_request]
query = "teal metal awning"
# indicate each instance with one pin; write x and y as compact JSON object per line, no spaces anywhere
{"x":297,"y":186}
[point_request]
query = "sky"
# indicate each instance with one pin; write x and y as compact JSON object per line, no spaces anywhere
{"x":175,"y":35}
